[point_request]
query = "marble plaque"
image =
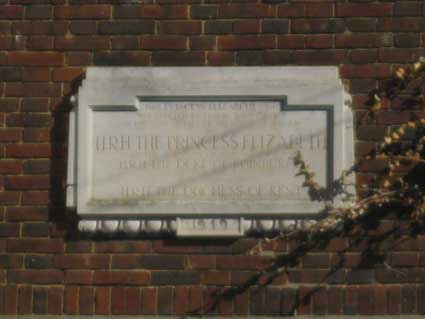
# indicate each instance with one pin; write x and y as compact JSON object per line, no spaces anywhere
{"x":208,"y":162}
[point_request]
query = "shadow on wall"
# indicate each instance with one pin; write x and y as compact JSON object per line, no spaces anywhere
{"x":65,"y":220}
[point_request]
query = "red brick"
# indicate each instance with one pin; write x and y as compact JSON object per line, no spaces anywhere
{"x":165,"y":300}
{"x":36,"y":74}
{"x":122,"y":58}
{"x":28,"y":150}
{"x":35,"y":105}
{"x":322,"y":41}
{"x":36,"y":58}
{"x":149,"y":301}
{"x":79,"y":58}
{"x":364,"y":40}
{"x":163,"y":42}
{"x":180,"y":27}
{"x":292,"y":10}
{"x":245,"y":11}
{"x":245,"y":42}
{"x":35,"y":276}
{"x":202,"y":43}
{"x":33,"y":89}
{"x":118,"y":247}
{"x":125,"y":43}
{"x":9,"y":104}
{"x":133,"y":296}
{"x":9,"y":230}
{"x":220,"y":278}
{"x":103,"y":300}
{"x":83,"y":12}
{"x":36,"y":135}
{"x":54,"y":300}
{"x":24,"y":300}
{"x":82,"y":27}
{"x":71,"y":300}
{"x":10,"y":167}
{"x":394,"y":300}
{"x":86,"y":302}
{"x":178,"y":58}
{"x":248,"y":26}
{"x":404,"y":259}
{"x":364,"y":9}
{"x":49,"y":246}
{"x":118,"y":304}
{"x":404,"y":24}
{"x":121,"y":277}
{"x":82,"y":42}
{"x":200,"y":262}
{"x":319,"y":9}
{"x":39,"y":43}
{"x":27,"y":213}
{"x":9,"y":198}
{"x":11,"y":12}
{"x":318,"y":26}
{"x":408,"y":8}
{"x":67,"y":74}
{"x":37,"y":166}
{"x":27,"y":182}
{"x":35,"y":198}
{"x":220,"y":58}
{"x":399,"y":55}
{"x":79,"y":277}
{"x":10,"y":299}
{"x":376,"y":71}
{"x":291,"y":41}
{"x":137,"y":11}
{"x":82,"y":261}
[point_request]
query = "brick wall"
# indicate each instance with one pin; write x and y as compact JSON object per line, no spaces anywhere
{"x":46,"y":268}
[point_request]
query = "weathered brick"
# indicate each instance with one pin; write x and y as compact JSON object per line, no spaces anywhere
{"x":102,"y":300}
{"x":165,"y":301}
{"x":83,"y":27}
{"x":83,"y":12}
{"x":118,"y":305}
{"x":36,"y":58}
{"x":245,"y":11}
{"x":38,"y":262}
{"x":125,"y":43}
{"x":175,"y":277}
{"x":180,"y":27}
{"x":245,"y":42}
{"x":25,"y":300}
{"x":132,"y":296}
{"x":35,"y":276}
{"x":49,"y":246}
{"x":275,"y":26}
{"x":9,"y":230}
{"x":163,"y":42}
{"x":71,"y":300}
{"x":121,"y":277}
{"x":364,"y":9}
{"x":55,"y":300}
{"x":218,"y":27}
{"x":81,"y":42}
{"x":122,"y":58}
{"x":318,"y":26}
{"x":178,"y":58}
{"x":86,"y":302}
{"x":38,"y":12}
{"x":26,"y":213}
{"x":39,"y":297}
{"x":149,"y":301}
{"x":126,"y":27}
{"x":82,"y":261}
{"x":11,"y":12}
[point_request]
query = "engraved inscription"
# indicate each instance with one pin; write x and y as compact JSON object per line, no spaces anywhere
{"x":206,"y":151}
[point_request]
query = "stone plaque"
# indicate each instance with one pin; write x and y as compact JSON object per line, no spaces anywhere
{"x":174,"y":158}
